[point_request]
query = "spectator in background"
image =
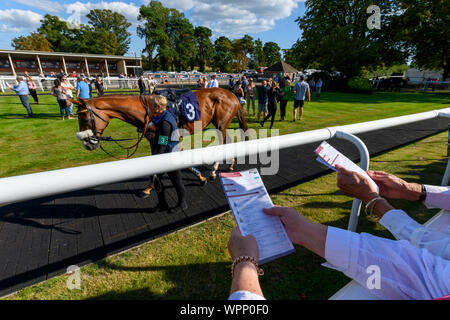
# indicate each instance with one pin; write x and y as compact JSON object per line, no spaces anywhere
{"x":32,"y":89}
{"x":213,"y":83}
{"x":60,"y":75}
{"x":301,"y":88}
{"x":262,"y":99}
{"x":251,"y":92}
{"x":60,"y":93}
{"x":52,"y":75}
{"x":152,"y":83}
{"x":239,"y":92}
{"x":22,"y":91}
{"x":121,"y":80}
{"x":231,"y":83}
{"x":244,"y":84}
{"x":82,"y":88}
{"x":318,"y":87}
{"x":99,"y":86}
{"x":312,"y":84}
{"x":68,"y":87}
{"x":272,"y":101}
{"x":73,"y":74}
{"x":287,"y":96}
{"x":142,"y":86}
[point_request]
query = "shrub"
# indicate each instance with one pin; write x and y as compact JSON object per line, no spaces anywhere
{"x":359,"y":85}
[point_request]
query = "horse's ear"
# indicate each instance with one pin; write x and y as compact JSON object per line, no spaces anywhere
{"x":82,"y":101}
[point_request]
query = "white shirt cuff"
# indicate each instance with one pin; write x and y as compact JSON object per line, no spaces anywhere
{"x":338,"y":249}
{"x":437,"y":197}
{"x":245,"y":295}
{"x":396,"y":221}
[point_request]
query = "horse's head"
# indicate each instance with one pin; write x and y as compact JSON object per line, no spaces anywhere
{"x":92,"y":122}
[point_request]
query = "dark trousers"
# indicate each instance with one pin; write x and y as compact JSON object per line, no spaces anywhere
{"x":175,"y":178}
{"x":142,"y":91}
{"x":34,"y":95}
{"x":283,"y":104}
{"x":272,"y":111}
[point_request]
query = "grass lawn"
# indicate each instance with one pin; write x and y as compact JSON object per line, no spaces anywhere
{"x":194,"y":263}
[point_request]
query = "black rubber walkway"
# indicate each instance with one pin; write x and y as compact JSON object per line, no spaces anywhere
{"x":39,"y":239}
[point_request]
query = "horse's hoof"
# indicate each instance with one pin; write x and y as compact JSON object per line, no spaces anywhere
{"x":203,"y":182}
{"x":212,"y":178}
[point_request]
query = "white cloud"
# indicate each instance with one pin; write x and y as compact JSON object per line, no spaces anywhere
{"x":129,"y":10}
{"x":235,"y":18}
{"x":46,"y":5}
{"x":16,"y":20}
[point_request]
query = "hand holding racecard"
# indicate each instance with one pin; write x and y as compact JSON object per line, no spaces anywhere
{"x":247,"y":196}
{"x":330,"y":157}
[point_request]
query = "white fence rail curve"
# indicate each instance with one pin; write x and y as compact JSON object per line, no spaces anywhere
{"x":43,"y":184}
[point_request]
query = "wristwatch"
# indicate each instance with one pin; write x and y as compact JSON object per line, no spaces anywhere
{"x":423,"y":195}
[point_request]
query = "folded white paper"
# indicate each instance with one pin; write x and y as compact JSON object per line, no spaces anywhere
{"x":247,"y":196}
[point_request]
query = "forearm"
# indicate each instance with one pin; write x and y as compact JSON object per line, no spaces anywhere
{"x":246,"y":279}
{"x":312,"y":236}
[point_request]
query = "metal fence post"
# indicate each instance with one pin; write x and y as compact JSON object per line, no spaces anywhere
{"x":364,"y":164}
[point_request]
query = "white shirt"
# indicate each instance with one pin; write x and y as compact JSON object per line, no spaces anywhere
{"x":213,"y":84}
{"x":406,"y":272}
{"x":405,"y":228}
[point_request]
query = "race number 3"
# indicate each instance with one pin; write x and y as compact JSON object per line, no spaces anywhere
{"x":190,"y":112}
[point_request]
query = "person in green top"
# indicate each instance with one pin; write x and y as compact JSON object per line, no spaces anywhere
{"x":287,"y":96}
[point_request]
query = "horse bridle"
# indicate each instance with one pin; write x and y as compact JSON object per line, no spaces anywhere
{"x":99,"y":137}
{"x":92,"y":115}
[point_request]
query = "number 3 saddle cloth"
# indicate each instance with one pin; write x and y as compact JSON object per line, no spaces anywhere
{"x":182,"y":104}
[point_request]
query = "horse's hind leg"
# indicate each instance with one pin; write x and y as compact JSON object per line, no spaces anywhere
{"x":198,"y":174}
{"x":213,"y":175}
{"x":233,"y":162}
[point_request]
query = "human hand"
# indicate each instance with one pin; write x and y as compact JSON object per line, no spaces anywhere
{"x":355,"y":185}
{"x":238,"y":245}
{"x":291,"y":220}
{"x":395,"y":188}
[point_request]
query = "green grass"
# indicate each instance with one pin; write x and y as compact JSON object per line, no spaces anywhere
{"x":194,"y":263}
{"x":48,"y":143}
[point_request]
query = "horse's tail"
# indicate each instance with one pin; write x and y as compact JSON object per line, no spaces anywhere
{"x":242,"y":120}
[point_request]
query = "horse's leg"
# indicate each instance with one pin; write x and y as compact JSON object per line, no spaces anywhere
{"x":213,"y":175}
{"x":198,"y":174}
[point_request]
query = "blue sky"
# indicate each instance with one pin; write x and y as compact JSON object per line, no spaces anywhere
{"x":269,"y":20}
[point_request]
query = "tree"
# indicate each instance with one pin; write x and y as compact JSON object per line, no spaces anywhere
{"x":109,"y":32}
{"x":423,"y":26}
{"x":271,"y":53}
{"x":35,"y":42}
{"x":241,"y":48}
{"x":181,"y":32}
{"x":335,"y":37}
{"x":155,"y":18}
{"x":204,"y":46}
{"x":258,"y":58}
{"x":222,"y":59}
{"x":57,"y":33}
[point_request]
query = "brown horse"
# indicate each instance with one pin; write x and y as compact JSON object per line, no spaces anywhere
{"x":218,"y":106}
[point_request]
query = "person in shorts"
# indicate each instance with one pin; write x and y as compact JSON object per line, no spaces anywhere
{"x":300,"y":90}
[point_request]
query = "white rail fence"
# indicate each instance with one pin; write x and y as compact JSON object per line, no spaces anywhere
{"x":49,"y":183}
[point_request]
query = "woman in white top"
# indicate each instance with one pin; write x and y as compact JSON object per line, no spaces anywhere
{"x":68,"y":87}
